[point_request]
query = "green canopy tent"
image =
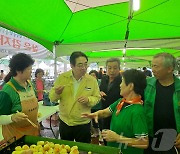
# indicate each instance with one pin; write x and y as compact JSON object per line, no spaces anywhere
{"x":134,"y":57}
{"x":76,"y":25}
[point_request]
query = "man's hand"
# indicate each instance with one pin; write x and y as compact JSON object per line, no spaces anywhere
{"x":83,"y":100}
{"x":102,"y":95}
{"x":110,"y":136}
{"x":18,"y":117}
{"x":177,"y":142}
{"x":91,"y":116}
{"x":59,"y":90}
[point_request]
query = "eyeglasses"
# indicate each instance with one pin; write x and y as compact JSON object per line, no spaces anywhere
{"x":85,"y":65}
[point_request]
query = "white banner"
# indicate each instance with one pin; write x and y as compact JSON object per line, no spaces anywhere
{"x":12,"y":43}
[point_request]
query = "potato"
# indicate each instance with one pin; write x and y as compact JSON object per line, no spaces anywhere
{"x":18,"y":148}
{"x":51,"y":144}
{"x":67,"y":147}
{"x":74,"y":147}
{"x":40,"y":143}
{"x":25,"y":147}
{"x":63,"y":151}
{"x":46,"y":147}
{"x":74,"y":151}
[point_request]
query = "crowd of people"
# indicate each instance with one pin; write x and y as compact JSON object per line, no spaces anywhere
{"x":132,"y":110}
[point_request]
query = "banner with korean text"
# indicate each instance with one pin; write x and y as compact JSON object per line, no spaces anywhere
{"x":12,"y":43}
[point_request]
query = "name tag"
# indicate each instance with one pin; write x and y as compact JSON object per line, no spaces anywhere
{"x":87,"y":88}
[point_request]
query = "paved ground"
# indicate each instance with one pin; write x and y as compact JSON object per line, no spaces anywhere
{"x":46,"y":132}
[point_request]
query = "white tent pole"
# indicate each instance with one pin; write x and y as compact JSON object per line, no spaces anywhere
{"x":56,"y":43}
{"x":55,"y":62}
{"x":130,"y":9}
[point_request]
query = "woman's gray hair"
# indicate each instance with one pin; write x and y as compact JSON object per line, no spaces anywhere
{"x":113,"y":60}
{"x":169,"y":60}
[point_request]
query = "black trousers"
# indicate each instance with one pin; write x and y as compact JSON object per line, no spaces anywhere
{"x":79,"y":133}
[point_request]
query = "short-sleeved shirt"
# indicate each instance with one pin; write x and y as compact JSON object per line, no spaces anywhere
{"x":131,"y":123}
{"x":9,"y":98}
{"x":5,"y":105}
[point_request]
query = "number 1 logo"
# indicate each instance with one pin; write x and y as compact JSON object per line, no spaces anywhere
{"x":164,"y":139}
